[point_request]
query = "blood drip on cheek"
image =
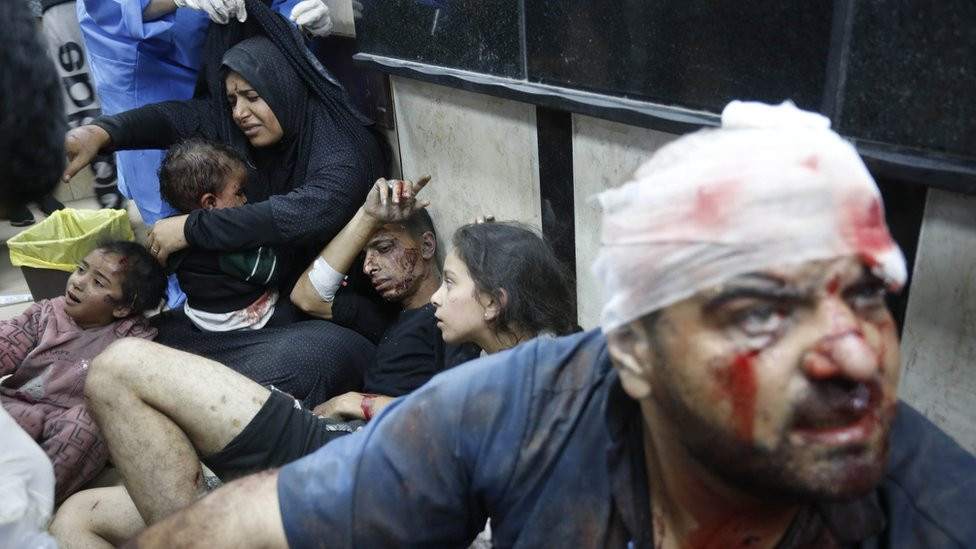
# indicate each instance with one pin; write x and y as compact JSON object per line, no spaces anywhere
{"x":741,"y":389}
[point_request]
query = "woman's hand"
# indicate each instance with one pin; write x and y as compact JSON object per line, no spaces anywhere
{"x":81,"y":145}
{"x":166,"y":237}
{"x":394,"y":200}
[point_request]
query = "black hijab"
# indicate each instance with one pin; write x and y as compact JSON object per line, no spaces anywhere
{"x":271,"y":55}
{"x":263,"y":66}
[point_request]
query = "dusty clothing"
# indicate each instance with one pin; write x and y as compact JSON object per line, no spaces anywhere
{"x":543,"y":440}
{"x":48,"y":355}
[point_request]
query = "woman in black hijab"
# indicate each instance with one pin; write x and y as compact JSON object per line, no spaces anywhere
{"x":306,"y":179}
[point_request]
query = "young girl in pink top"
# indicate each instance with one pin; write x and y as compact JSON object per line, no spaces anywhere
{"x":47,"y":349}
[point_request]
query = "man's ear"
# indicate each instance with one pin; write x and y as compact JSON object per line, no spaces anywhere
{"x":633,"y":358}
{"x":121,"y":311}
{"x":208,"y":201}
{"x":493,"y":306}
{"x":428,"y":245}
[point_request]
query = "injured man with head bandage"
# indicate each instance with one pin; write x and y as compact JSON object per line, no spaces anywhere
{"x":742,"y":391}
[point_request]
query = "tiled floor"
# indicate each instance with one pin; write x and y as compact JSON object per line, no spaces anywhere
{"x":12,"y":281}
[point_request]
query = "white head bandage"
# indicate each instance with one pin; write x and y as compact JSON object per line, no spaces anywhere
{"x":773,"y":186}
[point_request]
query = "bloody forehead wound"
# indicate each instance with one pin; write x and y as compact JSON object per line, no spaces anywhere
{"x":773,"y":186}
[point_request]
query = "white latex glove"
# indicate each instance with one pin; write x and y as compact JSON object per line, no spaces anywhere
{"x":220,"y":11}
{"x":357,"y":9}
{"x":312,"y":16}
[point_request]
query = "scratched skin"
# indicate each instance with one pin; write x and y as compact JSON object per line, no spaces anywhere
{"x":393,"y":263}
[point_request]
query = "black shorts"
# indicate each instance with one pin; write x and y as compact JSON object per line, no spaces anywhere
{"x":281,"y":432}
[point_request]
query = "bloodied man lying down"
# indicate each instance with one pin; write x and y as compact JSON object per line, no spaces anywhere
{"x":741,"y":391}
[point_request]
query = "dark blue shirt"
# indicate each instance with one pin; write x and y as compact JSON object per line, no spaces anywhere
{"x":543,"y":440}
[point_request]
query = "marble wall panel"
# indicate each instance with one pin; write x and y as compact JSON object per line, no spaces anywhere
{"x":480,"y":150}
{"x":604,"y":153}
{"x":939,"y":339}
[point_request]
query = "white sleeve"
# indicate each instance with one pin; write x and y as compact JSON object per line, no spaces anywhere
{"x":26,"y":482}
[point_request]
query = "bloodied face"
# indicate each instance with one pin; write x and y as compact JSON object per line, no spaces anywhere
{"x":394,"y":263}
{"x":94,"y":292}
{"x":781,"y":382}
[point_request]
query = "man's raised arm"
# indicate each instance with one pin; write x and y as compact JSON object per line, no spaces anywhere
{"x":389,"y":201}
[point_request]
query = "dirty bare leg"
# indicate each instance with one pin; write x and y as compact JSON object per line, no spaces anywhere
{"x":242,"y":513}
{"x":157,"y":408}
{"x":96,"y":518}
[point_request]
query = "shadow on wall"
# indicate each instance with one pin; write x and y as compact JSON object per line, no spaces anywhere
{"x":904,"y":208}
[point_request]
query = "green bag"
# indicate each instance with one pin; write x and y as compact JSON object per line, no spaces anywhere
{"x":62,"y":240}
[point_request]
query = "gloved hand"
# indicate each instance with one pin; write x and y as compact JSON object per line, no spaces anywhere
{"x":220,"y":11}
{"x":312,"y":16}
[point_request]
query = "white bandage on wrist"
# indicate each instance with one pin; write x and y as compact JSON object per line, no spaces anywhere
{"x":325,"y":279}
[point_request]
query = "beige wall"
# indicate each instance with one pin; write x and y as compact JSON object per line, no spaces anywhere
{"x":481,"y":152}
{"x":939,"y":339}
{"x":604,"y":154}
